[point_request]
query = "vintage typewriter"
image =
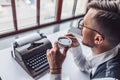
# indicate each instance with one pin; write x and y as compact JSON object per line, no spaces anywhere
{"x":30,"y":52}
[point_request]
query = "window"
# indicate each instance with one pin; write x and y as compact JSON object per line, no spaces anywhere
{"x":26,"y":13}
{"x":47,"y":11}
{"x":23,"y":15}
{"x":81,"y":7}
{"x":6,"y":19}
{"x":67,"y":8}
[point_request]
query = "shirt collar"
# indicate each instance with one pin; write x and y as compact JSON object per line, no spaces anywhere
{"x":103,"y":57}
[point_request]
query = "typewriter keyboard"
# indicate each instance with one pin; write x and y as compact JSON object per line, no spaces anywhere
{"x":38,"y":62}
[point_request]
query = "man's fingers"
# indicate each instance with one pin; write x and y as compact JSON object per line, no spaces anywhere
{"x":65,"y":51}
{"x":69,"y":34}
{"x":54,"y":50}
{"x":48,"y":54}
{"x":48,"y":50}
{"x":56,"y":47}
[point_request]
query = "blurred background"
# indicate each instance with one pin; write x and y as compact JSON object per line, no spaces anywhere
{"x":22,"y":17}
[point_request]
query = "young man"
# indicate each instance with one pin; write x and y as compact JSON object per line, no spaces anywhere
{"x":101,"y":32}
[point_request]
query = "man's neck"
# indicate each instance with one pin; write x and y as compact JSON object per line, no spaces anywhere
{"x":98,"y":50}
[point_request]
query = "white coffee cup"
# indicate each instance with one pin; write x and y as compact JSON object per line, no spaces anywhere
{"x":64,"y":42}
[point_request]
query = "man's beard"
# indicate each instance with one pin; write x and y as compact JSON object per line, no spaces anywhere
{"x":87,"y":44}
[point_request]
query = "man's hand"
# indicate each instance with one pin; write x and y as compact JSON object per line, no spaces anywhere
{"x":56,"y":58}
{"x":75,"y":42}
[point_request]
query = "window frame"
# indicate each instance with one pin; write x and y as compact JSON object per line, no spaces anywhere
{"x":58,"y":19}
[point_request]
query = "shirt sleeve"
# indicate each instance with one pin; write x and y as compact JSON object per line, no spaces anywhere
{"x":79,"y":58}
{"x":55,"y":77}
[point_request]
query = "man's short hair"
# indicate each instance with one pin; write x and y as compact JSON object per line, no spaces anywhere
{"x":108,"y":18}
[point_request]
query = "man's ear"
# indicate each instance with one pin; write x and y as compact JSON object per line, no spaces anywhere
{"x":98,"y":39}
